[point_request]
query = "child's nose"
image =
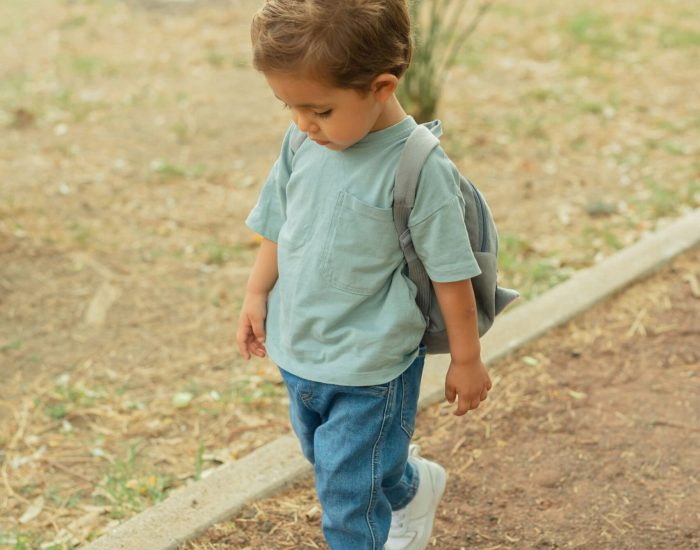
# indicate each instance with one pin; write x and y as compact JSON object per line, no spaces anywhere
{"x":303,"y":122}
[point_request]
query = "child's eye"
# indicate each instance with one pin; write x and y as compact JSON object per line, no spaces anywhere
{"x":324,"y":114}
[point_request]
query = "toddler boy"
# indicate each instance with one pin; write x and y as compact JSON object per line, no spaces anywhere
{"x":328,"y":298}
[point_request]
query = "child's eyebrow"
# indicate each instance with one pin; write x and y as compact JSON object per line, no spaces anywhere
{"x":305,"y":105}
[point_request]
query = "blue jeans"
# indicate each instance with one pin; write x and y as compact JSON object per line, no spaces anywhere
{"x":357,"y":439}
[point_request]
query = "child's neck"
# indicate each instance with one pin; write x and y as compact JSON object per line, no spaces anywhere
{"x":391,"y":114}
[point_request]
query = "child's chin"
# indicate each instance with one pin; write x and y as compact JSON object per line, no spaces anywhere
{"x":334,"y":146}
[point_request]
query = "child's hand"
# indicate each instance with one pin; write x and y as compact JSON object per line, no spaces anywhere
{"x":251,"y":326}
{"x":470,"y":382}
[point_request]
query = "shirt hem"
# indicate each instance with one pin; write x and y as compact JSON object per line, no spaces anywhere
{"x":316,"y":374}
{"x":454,"y":275}
{"x":270,"y":235}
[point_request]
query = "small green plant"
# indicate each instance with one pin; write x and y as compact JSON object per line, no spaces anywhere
{"x":67,"y":398}
{"x":218,"y":253}
{"x":199,"y":463}
{"x":15,"y":344}
{"x":216,"y":59}
{"x":672,"y":37}
{"x":663,"y":200}
{"x":81,"y":233}
{"x":594,"y":30}
{"x":86,"y":65}
{"x":169,"y":171}
{"x":522,"y":268}
{"x":129,"y":487}
{"x":440,"y":32}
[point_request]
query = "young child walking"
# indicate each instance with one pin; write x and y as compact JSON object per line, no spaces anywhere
{"x":328,"y":298}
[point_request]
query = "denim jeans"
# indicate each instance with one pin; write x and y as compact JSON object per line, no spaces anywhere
{"x":357,"y":439}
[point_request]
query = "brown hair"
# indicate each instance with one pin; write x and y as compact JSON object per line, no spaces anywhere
{"x":345,"y":43}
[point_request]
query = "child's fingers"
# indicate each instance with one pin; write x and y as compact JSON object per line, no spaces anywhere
{"x":258,"y":348}
{"x":462,"y":407}
{"x":450,"y":393}
{"x":242,"y":341}
{"x":258,"y":325}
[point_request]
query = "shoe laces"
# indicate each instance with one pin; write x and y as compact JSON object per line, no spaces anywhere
{"x":398,"y":523}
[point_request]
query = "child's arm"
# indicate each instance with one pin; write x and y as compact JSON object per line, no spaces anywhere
{"x":467,"y":376}
{"x":251,"y":323}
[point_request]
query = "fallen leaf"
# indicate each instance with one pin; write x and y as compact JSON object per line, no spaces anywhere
{"x":182,"y":399}
{"x":33,"y":511}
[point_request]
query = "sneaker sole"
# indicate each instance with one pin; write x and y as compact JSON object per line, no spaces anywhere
{"x":439,"y":477}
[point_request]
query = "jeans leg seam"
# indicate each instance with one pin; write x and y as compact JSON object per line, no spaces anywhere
{"x":373,"y":491}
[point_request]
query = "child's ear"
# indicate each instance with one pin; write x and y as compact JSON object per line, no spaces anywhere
{"x":384,"y":86}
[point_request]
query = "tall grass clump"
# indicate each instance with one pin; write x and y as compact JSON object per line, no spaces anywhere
{"x":441,"y":29}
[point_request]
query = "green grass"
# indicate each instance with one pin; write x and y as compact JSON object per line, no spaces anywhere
{"x":541,"y":95}
{"x":69,"y":397}
{"x":199,"y":462}
{"x":247,"y":393}
{"x":673,"y":37}
{"x":183,"y":132}
{"x":531,"y":274}
{"x":67,"y":101}
{"x":663,"y":201}
{"x":217,"y":59}
{"x":130,"y":485}
{"x":73,"y":22}
{"x":54,"y":495}
{"x":594,"y":30}
{"x":595,"y":237}
{"x":13,"y":345}
{"x":167,"y":170}
{"x":86,"y":67}
{"x":216,"y":252}
{"x":80,"y":232}
{"x":19,"y":540}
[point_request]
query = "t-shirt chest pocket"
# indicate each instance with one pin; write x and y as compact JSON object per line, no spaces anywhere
{"x":362,"y":248}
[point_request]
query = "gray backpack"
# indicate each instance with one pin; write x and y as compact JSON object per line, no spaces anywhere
{"x":491,"y":299}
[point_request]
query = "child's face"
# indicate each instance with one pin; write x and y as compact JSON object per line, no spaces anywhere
{"x":333,"y":117}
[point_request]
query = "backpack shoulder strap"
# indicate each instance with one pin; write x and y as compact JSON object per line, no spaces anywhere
{"x":416,"y":151}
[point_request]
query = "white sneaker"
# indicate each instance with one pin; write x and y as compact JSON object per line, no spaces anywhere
{"x":412,"y":526}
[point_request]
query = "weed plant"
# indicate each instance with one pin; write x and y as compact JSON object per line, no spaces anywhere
{"x":441,"y":29}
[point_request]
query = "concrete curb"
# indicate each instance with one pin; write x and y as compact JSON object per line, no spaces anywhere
{"x":193,"y":509}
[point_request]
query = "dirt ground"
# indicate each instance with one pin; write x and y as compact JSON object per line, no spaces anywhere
{"x":134,"y":139}
{"x":589,"y":439}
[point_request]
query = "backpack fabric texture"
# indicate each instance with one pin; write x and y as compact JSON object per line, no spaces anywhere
{"x":491,"y":299}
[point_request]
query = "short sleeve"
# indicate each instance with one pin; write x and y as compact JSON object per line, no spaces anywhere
{"x":269,"y":214}
{"x":437,"y":225}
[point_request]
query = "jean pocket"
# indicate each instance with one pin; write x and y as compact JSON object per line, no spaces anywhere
{"x":362,"y":248}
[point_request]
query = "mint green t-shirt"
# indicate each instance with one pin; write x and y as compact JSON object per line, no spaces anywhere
{"x":342,"y":310}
